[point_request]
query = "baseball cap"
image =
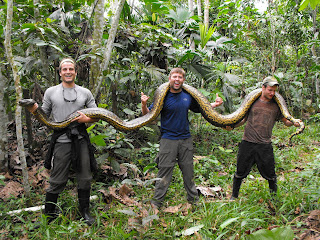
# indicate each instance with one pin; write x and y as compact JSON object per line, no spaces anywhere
{"x":270,"y":81}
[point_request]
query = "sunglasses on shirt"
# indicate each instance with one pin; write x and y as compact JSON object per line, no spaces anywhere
{"x":70,"y":100}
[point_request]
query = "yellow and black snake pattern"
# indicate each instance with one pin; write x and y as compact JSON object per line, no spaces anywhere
{"x":207,"y":111}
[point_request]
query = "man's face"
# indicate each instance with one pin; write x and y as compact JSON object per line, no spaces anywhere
{"x":176,"y":80}
{"x":268,"y":92}
{"x":68,"y":72}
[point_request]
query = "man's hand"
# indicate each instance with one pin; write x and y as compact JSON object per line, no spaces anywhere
{"x":144,"y":99}
{"x":218,"y":101}
{"x":32,"y":108}
{"x":84,"y":119}
{"x":297,"y":124}
{"x":289,"y":123}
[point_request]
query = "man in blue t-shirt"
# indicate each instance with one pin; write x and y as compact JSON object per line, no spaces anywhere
{"x":176,"y":142}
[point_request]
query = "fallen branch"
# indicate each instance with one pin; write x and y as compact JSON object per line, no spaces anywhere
{"x":34,"y":209}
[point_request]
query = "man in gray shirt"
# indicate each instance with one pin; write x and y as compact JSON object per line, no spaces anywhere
{"x":70,"y":147}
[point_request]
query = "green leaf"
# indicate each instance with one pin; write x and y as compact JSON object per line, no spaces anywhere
{"x":154,"y":17}
{"x":39,"y":42}
{"x":204,"y":92}
{"x":150,"y":181}
{"x":221,"y":148}
{"x":223,"y":12}
{"x":192,"y":230}
{"x":128,"y":212}
{"x":205,"y":34}
{"x":49,"y":20}
{"x":115,"y":165}
{"x":91,"y":127}
{"x":179,"y":15}
{"x":132,"y":166}
{"x":128,"y":111}
{"x":99,"y":140}
{"x":149,"y":166}
{"x":28,"y":25}
{"x":303,"y":5}
{"x":149,"y":218}
{"x":283,"y":233}
{"x":55,"y":47}
{"x":129,"y":182}
{"x":314,"y":3}
{"x":228,"y":222}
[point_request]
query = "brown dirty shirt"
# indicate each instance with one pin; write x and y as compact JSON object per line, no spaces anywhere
{"x":261,"y":119}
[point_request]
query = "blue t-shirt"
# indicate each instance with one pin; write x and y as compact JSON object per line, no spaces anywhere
{"x":174,"y":115}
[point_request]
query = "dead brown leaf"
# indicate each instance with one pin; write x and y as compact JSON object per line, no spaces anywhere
{"x":173,"y":209}
{"x":12,"y":188}
{"x":209,"y":191}
{"x":8,"y":176}
{"x":313,"y":221}
{"x":185,"y":209}
{"x":297,"y":211}
{"x":114,"y":193}
{"x":133,"y":223}
{"x":126,"y":191}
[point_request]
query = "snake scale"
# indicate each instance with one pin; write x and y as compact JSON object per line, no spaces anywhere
{"x":207,"y":112}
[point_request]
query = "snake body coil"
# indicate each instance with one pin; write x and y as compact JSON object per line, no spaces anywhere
{"x":207,"y":112}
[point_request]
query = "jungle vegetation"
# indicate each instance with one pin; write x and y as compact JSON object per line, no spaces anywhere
{"x":124,"y":47}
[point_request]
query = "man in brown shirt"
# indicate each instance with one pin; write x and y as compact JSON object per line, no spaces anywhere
{"x":256,"y":146}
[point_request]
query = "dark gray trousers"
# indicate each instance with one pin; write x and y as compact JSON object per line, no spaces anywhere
{"x":61,"y":163}
{"x":172,"y":152}
{"x":261,"y":154}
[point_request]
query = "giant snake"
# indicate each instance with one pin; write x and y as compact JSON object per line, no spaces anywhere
{"x":207,"y":111}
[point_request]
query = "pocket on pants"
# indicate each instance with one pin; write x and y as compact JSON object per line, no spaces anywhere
{"x":166,"y":159}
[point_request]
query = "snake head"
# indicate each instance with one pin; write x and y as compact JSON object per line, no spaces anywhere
{"x":26,"y":102}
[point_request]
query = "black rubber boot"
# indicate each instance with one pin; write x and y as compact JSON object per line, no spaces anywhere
{"x":50,"y":206}
{"x":236,"y":187}
{"x":273,"y":187}
{"x":49,"y":209}
{"x":84,"y":202}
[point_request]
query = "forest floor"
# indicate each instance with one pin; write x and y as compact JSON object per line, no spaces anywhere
{"x":128,"y":189}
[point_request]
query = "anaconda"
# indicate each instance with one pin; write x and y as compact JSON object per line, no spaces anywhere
{"x":207,"y":111}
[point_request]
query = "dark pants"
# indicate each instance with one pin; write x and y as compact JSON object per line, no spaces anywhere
{"x":172,"y":152}
{"x":249,"y":154}
{"x":61,"y":163}
{"x":261,"y":154}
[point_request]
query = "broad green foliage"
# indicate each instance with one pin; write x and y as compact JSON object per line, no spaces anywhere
{"x":179,"y":14}
{"x":154,"y":36}
{"x":285,"y":233}
{"x":305,"y":3}
{"x":205,"y":34}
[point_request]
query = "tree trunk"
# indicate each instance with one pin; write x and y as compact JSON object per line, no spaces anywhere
{"x":109,"y":47}
{"x":314,"y":52}
{"x":26,"y":94}
{"x":45,"y":66}
{"x":16,"y":76}
{"x":191,"y":40}
{"x":114,"y":87}
{"x":97,"y":40}
{"x":36,"y":10}
{"x":206,"y":13}
{"x":190,"y":4}
{"x":199,"y":8}
{"x":3,"y":126}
